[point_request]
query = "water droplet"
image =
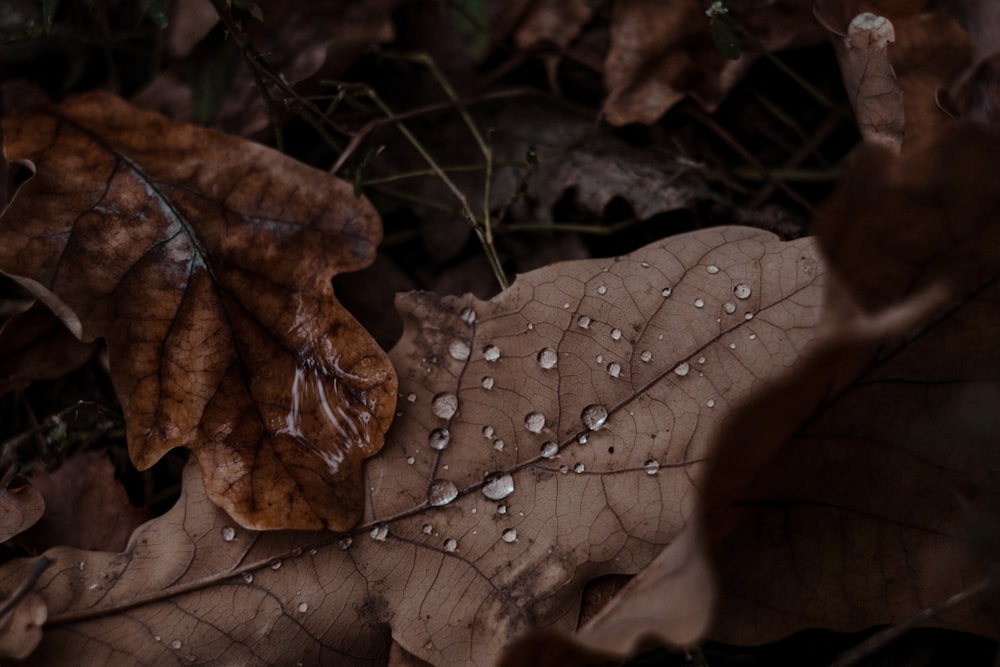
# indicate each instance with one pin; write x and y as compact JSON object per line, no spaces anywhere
{"x":190,"y":657}
{"x":748,"y":316}
{"x":458,"y":350}
{"x":566,"y":306}
{"x":752,"y":336}
{"x":549,"y":449}
{"x":547,"y":358}
{"x":578,"y":468}
{"x":428,"y":529}
{"x":450,"y":544}
{"x":487,"y":383}
{"x":583,"y":322}
{"x":665,"y":292}
{"x":616,"y":334}
{"x":228,"y":533}
{"x":248,"y":577}
{"x":534,"y":422}
{"x":345,"y":542}
{"x":157,"y":637}
{"x":468,"y":315}
{"x":652,"y":466}
{"x":501,"y":509}
{"x":614,"y":369}
{"x":509,"y":535}
{"x":582,"y":439}
{"x":646,"y":356}
{"x":445,"y":405}
{"x":682,"y":368}
{"x":439,"y":438}
{"x":742,"y":291}
{"x":488,"y":432}
{"x":176,"y":644}
{"x":701,"y":360}
{"x":644,"y":265}
{"x":699,"y":303}
{"x":729,"y":307}
{"x":499,"y":444}
{"x":712,"y":268}
{"x":312,"y":552}
{"x":378,"y":533}
{"x":491,"y":353}
{"x":599,"y":358}
{"x":602,"y":289}
{"x":564,"y":469}
{"x":410,"y":460}
{"x":276,"y":565}
{"x":303,"y":607}
{"x":411,"y":397}
{"x":531,"y":326}
{"x":441,"y":492}
{"x":732,"y":346}
{"x":498,"y":485}
{"x":594,"y":416}
{"x":710,"y":403}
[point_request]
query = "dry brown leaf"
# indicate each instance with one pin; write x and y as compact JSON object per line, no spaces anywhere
{"x":21,"y":627}
{"x":474,"y":534}
{"x":662,"y":52}
{"x":36,"y":345}
{"x":20,"y":509}
{"x":556,"y":21}
{"x":205,"y":261}
{"x":85,"y":507}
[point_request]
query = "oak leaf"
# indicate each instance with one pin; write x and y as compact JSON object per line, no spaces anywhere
{"x":205,"y":262}
{"x":548,"y":436}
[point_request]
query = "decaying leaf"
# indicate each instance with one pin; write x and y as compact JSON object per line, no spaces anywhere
{"x":553,"y":434}
{"x":85,"y":506}
{"x":36,"y":345}
{"x":20,"y":508}
{"x":21,"y":627}
{"x":662,"y":52}
{"x":205,"y":262}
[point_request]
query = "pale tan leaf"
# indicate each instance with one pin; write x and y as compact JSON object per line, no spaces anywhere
{"x":466,"y":544}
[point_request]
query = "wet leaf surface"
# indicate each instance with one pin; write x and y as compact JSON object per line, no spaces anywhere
{"x":208,"y":262}
{"x":553,"y":434}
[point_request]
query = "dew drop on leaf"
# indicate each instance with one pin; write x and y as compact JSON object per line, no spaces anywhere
{"x":468,"y":315}
{"x":458,"y":350}
{"x":748,"y":316}
{"x":176,"y":644}
{"x":710,"y":403}
{"x":602,"y":289}
{"x":439,"y":438}
{"x":411,"y":398}
{"x":509,"y":535}
{"x":652,"y":466}
{"x":441,"y":492}
{"x":445,"y":405}
{"x":549,"y":449}
{"x":742,"y":291}
{"x":228,"y":533}
{"x":729,"y":307}
{"x":276,"y":565}
{"x":450,"y":544}
{"x":547,"y":358}
{"x":583,"y":322}
{"x":303,"y":607}
{"x":487,"y":383}
{"x":501,"y":509}
{"x":578,"y":468}
{"x":665,"y":292}
{"x":564,"y":469}
{"x":427,"y":529}
{"x":488,"y":431}
{"x":534,"y":422}
{"x":498,"y":485}
{"x":594,"y":416}
{"x":614,"y":369}
{"x":411,"y":460}
{"x":248,"y":577}
{"x":712,"y":269}
{"x":491,"y":353}
{"x":498,"y":445}
{"x":616,"y":334}
{"x":682,"y":368}
{"x":699,"y":303}
{"x":646,"y":356}
{"x":378,"y":533}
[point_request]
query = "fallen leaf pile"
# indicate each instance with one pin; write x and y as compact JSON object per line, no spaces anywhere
{"x":766,"y":435}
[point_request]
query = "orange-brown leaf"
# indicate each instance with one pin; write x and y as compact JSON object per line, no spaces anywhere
{"x":205,"y":261}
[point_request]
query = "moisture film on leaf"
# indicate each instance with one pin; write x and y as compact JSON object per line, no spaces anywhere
{"x":546,"y":437}
{"x":205,"y":262}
